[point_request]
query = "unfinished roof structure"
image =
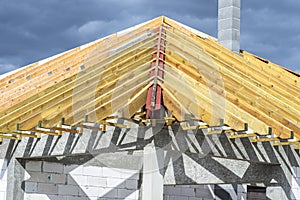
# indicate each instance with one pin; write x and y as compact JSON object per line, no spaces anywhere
{"x":160,"y":71}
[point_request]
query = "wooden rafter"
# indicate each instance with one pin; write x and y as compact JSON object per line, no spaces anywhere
{"x":198,"y":77}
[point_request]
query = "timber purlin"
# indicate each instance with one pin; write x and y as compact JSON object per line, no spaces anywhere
{"x":158,"y":72}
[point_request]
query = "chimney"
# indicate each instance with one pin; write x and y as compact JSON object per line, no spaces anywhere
{"x":229,"y":24}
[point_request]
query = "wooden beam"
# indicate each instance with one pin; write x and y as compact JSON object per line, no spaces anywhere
{"x":202,"y":98}
{"x":245,"y":135}
{"x":120,"y":39}
{"x":185,"y":127}
{"x":11,"y":136}
{"x":264,"y":139}
{"x":275,"y":70}
{"x":279,"y":143}
{"x":256,"y":114}
{"x":70,"y":97}
{"x":30,"y":134}
{"x":94,"y":71}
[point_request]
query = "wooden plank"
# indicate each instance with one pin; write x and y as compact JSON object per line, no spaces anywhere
{"x":65,"y":130}
{"x":49,"y":111}
{"x":269,"y":67}
{"x":36,"y":67}
{"x":241,"y":104}
{"x":202,"y":106}
{"x":282,"y":120}
{"x":199,"y":87}
{"x":70,"y":93}
{"x":174,"y":106}
{"x":19,"y":97}
{"x":278,"y":143}
{"x":246,"y":105}
{"x":234,"y":70}
{"x":283,"y":91}
{"x":246,"y":135}
{"x":271,"y":83}
{"x":61,"y":89}
{"x":134,"y":104}
{"x":10,"y":136}
{"x":52,"y":116}
{"x":258,"y":139}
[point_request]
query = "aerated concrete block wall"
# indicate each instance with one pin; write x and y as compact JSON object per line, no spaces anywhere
{"x":205,"y":192}
{"x":52,"y":180}
{"x":109,"y":165}
{"x":3,"y":180}
{"x":295,"y":189}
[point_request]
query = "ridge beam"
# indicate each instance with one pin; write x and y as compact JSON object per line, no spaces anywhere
{"x":154,"y":96}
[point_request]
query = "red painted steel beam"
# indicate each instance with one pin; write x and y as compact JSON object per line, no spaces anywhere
{"x":154,"y":96}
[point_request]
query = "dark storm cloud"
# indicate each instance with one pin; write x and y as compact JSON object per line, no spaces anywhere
{"x":272,"y":30}
{"x":32,"y":30}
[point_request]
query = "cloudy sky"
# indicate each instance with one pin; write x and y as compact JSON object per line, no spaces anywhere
{"x":31,"y":30}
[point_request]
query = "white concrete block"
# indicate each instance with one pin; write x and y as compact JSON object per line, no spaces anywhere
{"x":73,"y":169}
{"x":109,"y":193}
{"x":297,"y":181}
{"x":96,"y":181}
{"x":36,"y":197}
{"x":296,"y":192}
{"x":129,"y":174}
{"x":178,"y":198}
{"x":203,"y":192}
{"x":48,"y":177}
{"x":34,"y":166}
{"x":133,"y":196}
{"x":131,"y":184}
{"x":31,"y":187}
{"x":57,"y":197}
{"x":77,"y":180}
{"x":298,"y":172}
{"x":92,"y":171}
{"x":3,"y":174}
{"x":186,"y":191}
{"x":53,"y":167}
{"x":112,"y":172}
{"x":57,"y":178}
{"x":3,"y":185}
{"x":91,"y":191}
{"x":172,"y":190}
{"x":79,"y":198}
{"x":195,"y":198}
{"x":68,"y":190}
{"x":123,"y":193}
{"x":115,"y":183}
{"x":45,"y":188}
{"x":2,"y":195}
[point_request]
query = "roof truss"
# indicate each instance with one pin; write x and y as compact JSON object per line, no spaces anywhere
{"x":158,"y":65}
